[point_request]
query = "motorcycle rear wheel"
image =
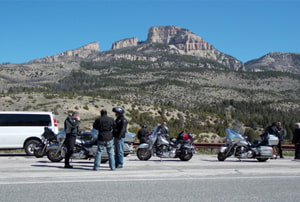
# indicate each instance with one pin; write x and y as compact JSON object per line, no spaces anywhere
{"x":221,"y":156}
{"x":54,"y":158}
{"x":143,"y":154}
{"x":186,"y":157}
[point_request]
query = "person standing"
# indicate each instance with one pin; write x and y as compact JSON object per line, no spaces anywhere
{"x":272,"y":129}
{"x":71,"y":125}
{"x":281,"y":136}
{"x":105,"y":126}
{"x":164,"y":130}
{"x":296,"y":141}
{"x":119,"y":136}
{"x":142,"y":134}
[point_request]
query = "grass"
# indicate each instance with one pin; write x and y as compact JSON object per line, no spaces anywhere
{"x":11,"y":151}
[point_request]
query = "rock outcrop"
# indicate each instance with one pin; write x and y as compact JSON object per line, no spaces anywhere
{"x":78,"y":54}
{"x":183,"y":39}
{"x":125,"y":43}
{"x":183,"y":42}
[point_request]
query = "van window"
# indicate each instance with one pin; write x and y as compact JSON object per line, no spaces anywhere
{"x":25,"y":120}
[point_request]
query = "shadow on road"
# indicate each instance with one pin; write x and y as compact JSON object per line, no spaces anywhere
{"x":77,"y":165}
{"x":14,"y":155}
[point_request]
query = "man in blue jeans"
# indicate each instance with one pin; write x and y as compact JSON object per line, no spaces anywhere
{"x":105,"y":126}
{"x":119,"y":136}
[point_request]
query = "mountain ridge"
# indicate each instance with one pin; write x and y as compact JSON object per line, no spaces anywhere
{"x":173,"y":65}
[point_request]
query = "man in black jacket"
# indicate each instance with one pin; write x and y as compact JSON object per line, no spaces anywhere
{"x":105,"y":126}
{"x":281,"y":136}
{"x":119,"y":136}
{"x":142,"y":134}
{"x":71,"y":125}
{"x":296,"y":141}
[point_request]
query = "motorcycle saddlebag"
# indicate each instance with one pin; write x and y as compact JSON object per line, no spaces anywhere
{"x":265,"y":151}
{"x":272,"y":140}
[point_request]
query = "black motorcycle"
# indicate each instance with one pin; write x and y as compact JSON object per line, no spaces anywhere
{"x":85,"y":146}
{"x":48,"y":138}
{"x":157,"y":144}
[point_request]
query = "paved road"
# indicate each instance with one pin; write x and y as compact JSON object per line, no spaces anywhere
{"x":203,"y":178}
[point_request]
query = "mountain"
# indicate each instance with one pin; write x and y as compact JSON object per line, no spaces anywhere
{"x":276,"y":61}
{"x":173,"y":67}
{"x":177,"y":41}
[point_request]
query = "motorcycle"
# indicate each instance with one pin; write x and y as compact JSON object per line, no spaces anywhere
{"x":85,"y":146}
{"x":48,"y":138}
{"x":238,"y":146}
{"x":157,"y":144}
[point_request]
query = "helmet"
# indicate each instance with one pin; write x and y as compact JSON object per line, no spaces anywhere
{"x":118,"y":110}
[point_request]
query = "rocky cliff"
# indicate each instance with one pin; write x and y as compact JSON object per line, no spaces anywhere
{"x":82,"y":53}
{"x":125,"y":43}
{"x":183,"y":42}
{"x":182,"y":39}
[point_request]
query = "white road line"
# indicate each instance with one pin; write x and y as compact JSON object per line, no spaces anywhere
{"x":149,"y":179}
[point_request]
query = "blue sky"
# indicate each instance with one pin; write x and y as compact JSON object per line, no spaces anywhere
{"x":244,"y":29}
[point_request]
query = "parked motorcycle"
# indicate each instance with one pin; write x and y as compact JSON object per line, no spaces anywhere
{"x":157,"y":144}
{"x":48,"y":138}
{"x":85,"y":146}
{"x":238,"y":146}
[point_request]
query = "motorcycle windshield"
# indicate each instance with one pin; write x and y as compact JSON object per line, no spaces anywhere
{"x":155,"y":130}
{"x":153,"y":135}
{"x":231,"y":134}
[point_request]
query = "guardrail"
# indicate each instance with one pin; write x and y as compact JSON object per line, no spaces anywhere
{"x":212,"y":146}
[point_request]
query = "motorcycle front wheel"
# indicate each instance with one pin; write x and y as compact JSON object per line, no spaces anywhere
{"x":39,"y":153}
{"x":52,"y":156}
{"x":143,"y":154}
{"x":221,"y":156}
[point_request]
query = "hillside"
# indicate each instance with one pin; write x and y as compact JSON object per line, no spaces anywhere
{"x":276,"y":61}
{"x":89,"y":107}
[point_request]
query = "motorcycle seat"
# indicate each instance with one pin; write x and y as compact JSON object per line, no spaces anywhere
{"x":256,"y":143}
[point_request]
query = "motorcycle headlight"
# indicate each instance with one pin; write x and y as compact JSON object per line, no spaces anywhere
{"x":223,"y":149}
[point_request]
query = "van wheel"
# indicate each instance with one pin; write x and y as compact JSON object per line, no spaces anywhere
{"x":29,"y":147}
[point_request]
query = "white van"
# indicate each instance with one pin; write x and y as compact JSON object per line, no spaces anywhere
{"x":23,"y":129}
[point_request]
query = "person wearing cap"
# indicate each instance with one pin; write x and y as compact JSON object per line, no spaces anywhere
{"x":71,"y":125}
{"x":142,"y":134}
{"x":119,"y":136}
{"x":296,"y":141}
{"x":281,"y":136}
{"x":163,"y":129}
{"x":105,"y":126}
